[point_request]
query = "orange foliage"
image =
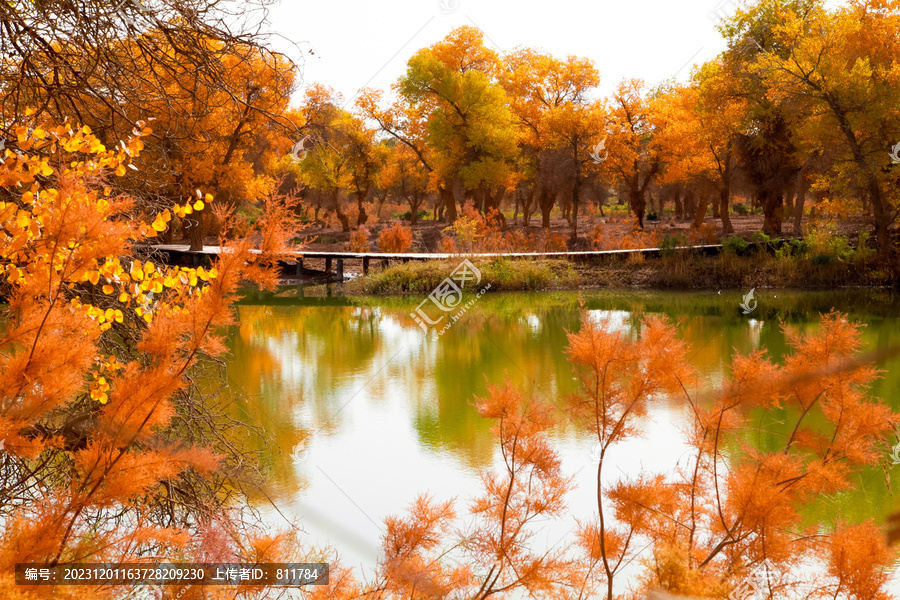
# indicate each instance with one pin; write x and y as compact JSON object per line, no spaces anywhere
{"x":359,"y":240}
{"x":94,"y":358}
{"x":623,"y":235}
{"x":705,"y":234}
{"x":398,"y":238}
{"x":748,"y":511}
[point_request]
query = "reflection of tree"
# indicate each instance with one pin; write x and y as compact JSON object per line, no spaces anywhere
{"x":284,"y":363}
{"x":299,"y":364}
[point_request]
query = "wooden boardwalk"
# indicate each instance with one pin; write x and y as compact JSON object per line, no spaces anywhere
{"x":178,"y":252}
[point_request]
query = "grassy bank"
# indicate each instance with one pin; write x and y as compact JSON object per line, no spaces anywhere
{"x":502,"y":274}
{"x":681,"y":269}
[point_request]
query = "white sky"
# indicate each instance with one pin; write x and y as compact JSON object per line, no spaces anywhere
{"x":358,"y":43}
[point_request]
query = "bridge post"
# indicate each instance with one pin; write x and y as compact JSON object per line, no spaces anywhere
{"x":384,"y":263}
{"x":340,"y":268}
{"x":328,"y":265}
{"x":365,"y":265}
{"x":300,"y":267}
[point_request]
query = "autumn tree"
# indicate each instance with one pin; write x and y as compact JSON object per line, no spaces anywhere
{"x":733,"y":508}
{"x":427,"y":556}
{"x":697,"y":127}
{"x":406,"y":177}
{"x":551,"y":100}
{"x":366,"y":160}
{"x":633,"y":153}
{"x":110,"y":455}
{"x":842,"y":63}
{"x":619,"y":376}
{"x":214,"y":88}
{"x":469,"y":124}
{"x":767,"y":144}
{"x":327,"y":165}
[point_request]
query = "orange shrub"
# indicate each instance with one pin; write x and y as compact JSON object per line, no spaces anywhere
{"x":623,"y":235}
{"x":554,"y":242}
{"x":396,"y":239}
{"x":447,"y":244}
{"x":702,"y":234}
{"x":359,"y":240}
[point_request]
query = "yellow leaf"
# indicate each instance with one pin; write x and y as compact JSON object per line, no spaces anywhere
{"x":198,"y":205}
{"x":120,"y":170}
{"x":108,"y":289}
{"x":136,"y":273}
{"x":158,"y":223}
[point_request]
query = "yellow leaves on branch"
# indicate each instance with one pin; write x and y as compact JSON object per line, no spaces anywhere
{"x":68,"y":236}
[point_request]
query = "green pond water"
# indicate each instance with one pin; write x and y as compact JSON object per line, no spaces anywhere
{"x":367,"y":411}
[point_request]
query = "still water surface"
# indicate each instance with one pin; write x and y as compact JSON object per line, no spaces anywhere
{"x":377,"y":412}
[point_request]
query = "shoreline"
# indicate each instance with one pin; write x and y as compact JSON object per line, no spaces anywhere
{"x":685,"y":271}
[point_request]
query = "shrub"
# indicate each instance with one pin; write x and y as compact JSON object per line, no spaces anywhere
{"x":793,"y":248}
{"x":396,"y":239}
{"x":359,"y":240}
{"x":447,"y":244}
{"x":652,"y":216}
{"x":705,"y":234}
{"x":407,"y":216}
{"x":740,"y":209}
{"x":668,"y":244}
{"x":737,"y":246}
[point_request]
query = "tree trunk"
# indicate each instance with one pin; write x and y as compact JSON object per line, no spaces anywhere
{"x":527,"y":206}
{"x":492,"y":203}
{"x":724,"y":207}
{"x":638,"y":206}
{"x":449,"y":202}
{"x":195,"y":230}
{"x":342,"y":217}
{"x":690,"y":204}
{"x":363,"y":217}
{"x":700,"y":213}
{"x":773,"y":211}
{"x":679,"y":206}
{"x":873,"y":187}
{"x":576,"y":189}
{"x":546,"y":201}
{"x":801,"y":200}
{"x":516,"y":210}
{"x":414,"y":202}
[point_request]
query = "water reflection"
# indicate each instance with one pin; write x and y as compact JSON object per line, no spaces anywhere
{"x":382,"y":412}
